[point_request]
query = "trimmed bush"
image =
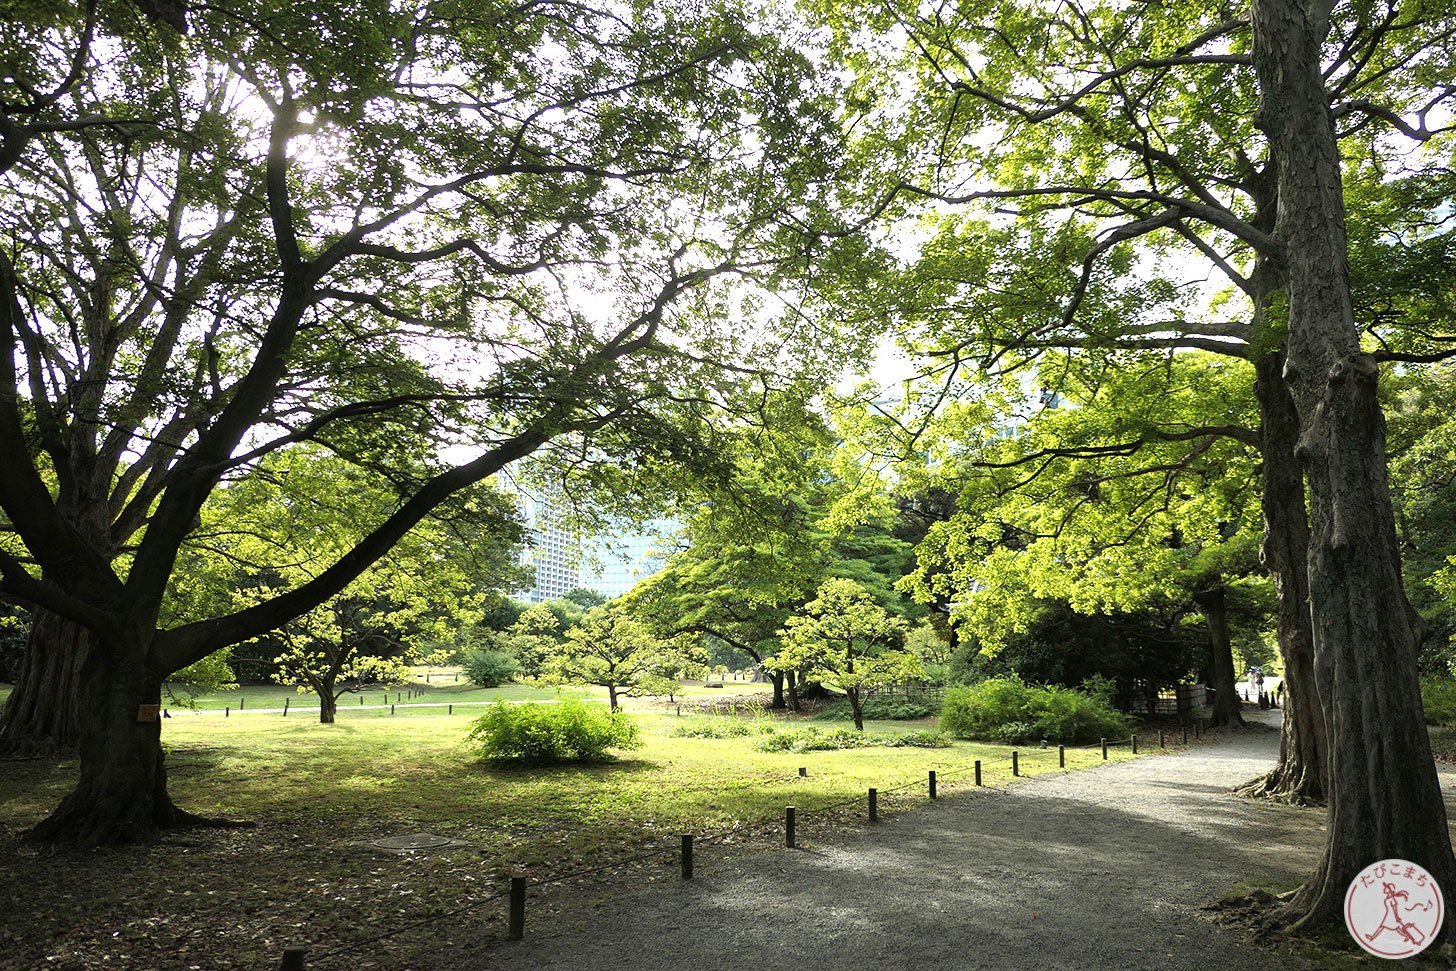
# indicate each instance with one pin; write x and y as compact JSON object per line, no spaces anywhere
{"x":488,"y":667}
{"x":879,"y":709}
{"x":1438,"y":697}
{"x":717,"y":728}
{"x":813,"y":739}
{"x":1009,"y":710}
{"x":552,"y":734}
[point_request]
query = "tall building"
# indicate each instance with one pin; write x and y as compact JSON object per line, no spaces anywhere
{"x":608,"y":564}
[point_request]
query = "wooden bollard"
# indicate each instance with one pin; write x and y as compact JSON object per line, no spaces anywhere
{"x":978,"y":771}
{"x":242,"y":703}
{"x":1160,"y":739}
{"x":293,"y":957}
{"x":517,"y":929}
{"x":803,"y":772}
{"x":687,"y":856}
{"x":361,"y":699}
{"x":1061,"y":756}
{"x":226,"y":712}
{"x":789,"y":820}
{"x":1134,"y":743}
{"x":1015,"y":763}
{"x":932,"y":783}
{"x":457,"y":677}
{"x":391,"y":709}
{"x":285,"y":707}
{"x":1104,"y":750}
{"x":450,"y":709}
{"x":874,"y":805}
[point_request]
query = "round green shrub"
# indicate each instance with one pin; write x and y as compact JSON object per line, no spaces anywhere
{"x":552,"y":734}
{"x":488,"y":667}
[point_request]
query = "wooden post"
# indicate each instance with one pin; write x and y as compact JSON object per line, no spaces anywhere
{"x":803,"y":772}
{"x":687,"y":856}
{"x":361,"y":699}
{"x":1015,"y":763}
{"x":1061,"y":756}
{"x":517,"y":928}
{"x":978,"y":771}
{"x":449,"y":709}
{"x":1104,"y":750}
{"x":874,"y":805}
{"x":226,"y":712}
{"x":457,"y":677}
{"x":285,"y":707}
{"x":1134,"y":743}
{"x":1160,"y":739}
{"x":932,"y":783}
{"x":242,"y":702}
{"x":789,"y":820}
{"x":293,"y":956}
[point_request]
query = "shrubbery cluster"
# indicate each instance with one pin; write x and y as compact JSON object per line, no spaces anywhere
{"x":1438,"y":696}
{"x":716,"y":728}
{"x":880,"y":709}
{"x":551,"y":734}
{"x":813,"y":739}
{"x":1009,"y":710}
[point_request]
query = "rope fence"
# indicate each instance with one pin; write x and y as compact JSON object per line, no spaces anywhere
{"x":297,"y":958}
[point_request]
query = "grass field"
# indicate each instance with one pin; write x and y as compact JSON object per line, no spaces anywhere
{"x":231,"y":898}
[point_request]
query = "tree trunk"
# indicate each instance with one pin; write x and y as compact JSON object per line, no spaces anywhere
{"x":122,"y":792}
{"x":855,"y":709}
{"x":42,"y":717}
{"x":612,"y":696}
{"x":1213,"y":606}
{"x":328,"y":707}
{"x":1300,"y":774}
{"x":778,"y":690}
{"x":791,"y":686}
{"x":1384,"y":795}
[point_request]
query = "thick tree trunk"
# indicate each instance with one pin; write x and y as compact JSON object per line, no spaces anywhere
{"x":42,"y":716}
{"x":328,"y":707}
{"x":855,"y":708}
{"x":1384,"y":796}
{"x":778,"y":689}
{"x":1300,"y":774}
{"x":1213,"y":606}
{"x":791,"y":687}
{"x":122,"y":792}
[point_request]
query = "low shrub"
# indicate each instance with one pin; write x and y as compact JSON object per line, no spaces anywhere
{"x":1009,"y":710}
{"x":813,"y":739}
{"x":717,"y":728}
{"x":488,"y":667}
{"x":879,"y":709}
{"x":1438,"y":697}
{"x":551,"y":734}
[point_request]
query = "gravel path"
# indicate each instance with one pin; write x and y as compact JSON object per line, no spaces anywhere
{"x":1104,"y":868}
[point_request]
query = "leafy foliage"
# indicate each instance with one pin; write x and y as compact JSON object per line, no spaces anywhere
{"x":1438,"y":696}
{"x":880,"y":709}
{"x":1009,"y":710}
{"x":489,"y":668}
{"x":716,"y":728}
{"x":552,"y":734}
{"x":812,"y":739}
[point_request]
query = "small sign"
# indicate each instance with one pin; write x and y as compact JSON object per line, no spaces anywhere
{"x":147,"y":713}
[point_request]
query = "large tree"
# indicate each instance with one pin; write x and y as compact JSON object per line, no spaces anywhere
{"x":433,"y":238}
{"x":1214,"y":134}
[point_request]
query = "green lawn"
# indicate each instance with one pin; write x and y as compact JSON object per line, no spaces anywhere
{"x":320,"y":793}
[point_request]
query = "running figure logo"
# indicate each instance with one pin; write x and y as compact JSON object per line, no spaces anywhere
{"x":1394,"y":909}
